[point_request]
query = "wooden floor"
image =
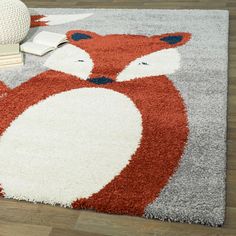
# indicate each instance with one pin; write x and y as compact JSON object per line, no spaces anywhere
{"x":25,"y":219}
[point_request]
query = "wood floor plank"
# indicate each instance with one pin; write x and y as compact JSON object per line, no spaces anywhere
{"x":126,"y":225}
{"x":18,"y":229}
{"x":39,"y":214}
{"x":66,"y":232}
{"x":113,"y":225}
{"x":230,"y":221}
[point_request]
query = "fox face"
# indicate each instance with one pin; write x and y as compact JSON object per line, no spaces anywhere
{"x":109,"y":58}
{"x":123,"y":131}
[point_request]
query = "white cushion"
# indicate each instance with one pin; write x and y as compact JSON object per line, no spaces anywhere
{"x":14,"y":21}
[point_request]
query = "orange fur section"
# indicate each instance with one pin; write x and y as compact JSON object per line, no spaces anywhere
{"x":1,"y":191}
{"x":3,"y":89}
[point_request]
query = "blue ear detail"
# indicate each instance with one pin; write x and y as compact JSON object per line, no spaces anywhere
{"x":172,"y":39}
{"x":78,"y":36}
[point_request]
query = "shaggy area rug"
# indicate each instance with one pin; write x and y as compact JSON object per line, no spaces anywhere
{"x":129,"y":117}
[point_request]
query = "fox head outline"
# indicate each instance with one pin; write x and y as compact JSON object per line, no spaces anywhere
{"x":105,"y":59}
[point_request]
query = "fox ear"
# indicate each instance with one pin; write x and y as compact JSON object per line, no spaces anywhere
{"x":174,"y":39}
{"x":78,"y":35}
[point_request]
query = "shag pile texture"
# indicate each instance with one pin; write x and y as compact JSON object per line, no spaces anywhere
{"x":129,"y":117}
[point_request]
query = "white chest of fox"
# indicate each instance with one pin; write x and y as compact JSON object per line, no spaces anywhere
{"x":86,"y":136}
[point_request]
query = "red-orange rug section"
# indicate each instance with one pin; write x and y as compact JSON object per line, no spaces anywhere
{"x":165,"y":131}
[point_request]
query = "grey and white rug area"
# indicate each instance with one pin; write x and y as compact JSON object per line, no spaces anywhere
{"x":196,"y":191}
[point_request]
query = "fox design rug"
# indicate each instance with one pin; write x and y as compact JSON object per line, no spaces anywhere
{"x":128,"y":117}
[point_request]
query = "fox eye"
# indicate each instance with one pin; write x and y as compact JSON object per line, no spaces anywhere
{"x":143,"y":63}
{"x":80,"y":60}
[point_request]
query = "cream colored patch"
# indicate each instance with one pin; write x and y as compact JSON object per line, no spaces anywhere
{"x":69,"y":146}
{"x":72,"y":60}
{"x":163,"y":62}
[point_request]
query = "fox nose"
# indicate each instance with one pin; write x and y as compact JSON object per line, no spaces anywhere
{"x":100,"y":80}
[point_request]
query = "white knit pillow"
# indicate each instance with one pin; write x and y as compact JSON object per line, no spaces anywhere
{"x":14,"y":21}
